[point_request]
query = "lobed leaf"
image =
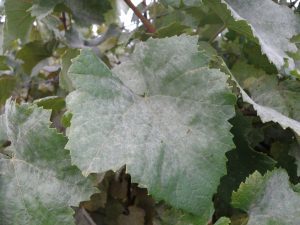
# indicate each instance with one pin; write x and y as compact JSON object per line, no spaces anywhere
{"x":268,"y":199}
{"x":7,"y":85}
{"x":261,"y":21}
{"x":18,"y":21}
{"x":273,"y":100}
{"x":157,"y":113}
{"x":85,"y":13}
{"x":38,"y":184}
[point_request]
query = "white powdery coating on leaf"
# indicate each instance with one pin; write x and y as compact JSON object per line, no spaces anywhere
{"x":158,"y":115}
{"x":272,"y":24}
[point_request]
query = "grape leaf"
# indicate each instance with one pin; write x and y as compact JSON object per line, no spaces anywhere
{"x":3,"y":136}
{"x":7,"y":85}
{"x":18,"y":21}
{"x":294,"y":150}
{"x":42,"y":8}
{"x":37,"y":181}
{"x":273,"y":100}
{"x":64,"y":80}
{"x":261,"y":21}
{"x":178,"y":3}
{"x":223,"y":221}
{"x":268,"y":199}
{"x":287,"y":157}
{"x":166,"y":215}
{"x":85,"y":13}
{"x":51,"y":102}
{"x":89,"y":12}
{"x":34,"y":52}
{"x":242,"y":162}
{"x":157,"y":113}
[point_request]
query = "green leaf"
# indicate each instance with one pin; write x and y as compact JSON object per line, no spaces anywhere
{"x":85,"y":13}
{"x":170,"y":216}
{"x":178,"y":3}
{"x":242,"y":161}
{"x":175,"y":28}
{"x":89,"y":12}
{"x":157,"y":113}
{"x":3,"y":63}
{"x":64,"y":80}
{"x":3,"y":135}
{"x":264,"y":21}
{"x":170,"y":16}
{"x":273,"y":100}
{"x":268,"y":199}
{"x":287,"y":156}
{"x":38,"y":182}
{"x":294,"y":150}
{"x":18,"y":21}
{"x":223,"y":221}
{"x":7,"y":85}
{"x":34,"y":52}
{"x":42,"y":8}
{"x":51,"y":102}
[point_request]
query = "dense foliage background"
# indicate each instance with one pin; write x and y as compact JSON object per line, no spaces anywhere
{"x":188,"y":115}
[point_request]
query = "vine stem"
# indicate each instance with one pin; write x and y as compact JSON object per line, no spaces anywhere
{"x":64,"y":20}
{"x":150,"y":28}
{"x":217,"y":33}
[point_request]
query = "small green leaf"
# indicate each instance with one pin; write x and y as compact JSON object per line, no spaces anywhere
{"x":18,"y":21}
{"x":170,"y":216}
{"x":42,"y":8}
{"x":85,"y":13}
{"x":178,"y":3}
{"x":3,"y":63}
{"x":268,"y":199}
{"x":64,"y":80}
{"x":223,"y":221}
{"x":7,"y":85}
{"x":33,"y":52}
{"x":38,"y":184}
{"x":51,"y":102}
{"x":294,"y":151}
{"x":173,"y":29}
{"x":89,"y":12}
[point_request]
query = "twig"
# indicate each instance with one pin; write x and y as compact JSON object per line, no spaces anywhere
{"x":217,"y":33}
{"x":64,"y":20}
{"x":150,"y":28}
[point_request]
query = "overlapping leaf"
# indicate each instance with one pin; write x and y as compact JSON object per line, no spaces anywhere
{"x":272,"y":25}
{"x":242,"y":161}
{"x":157,"y":113}
{"x":170,"y":216}
{"x":268,"y":199}
{"x":64,"y":80}
{"x":273,"y":100}
{"x":84,"y":12}
{"x":18,"y":21}
{"x":178,"y":3}
{"x":37,"y":181}
{"x":7,"y":85}
{"x":34,"y":52}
